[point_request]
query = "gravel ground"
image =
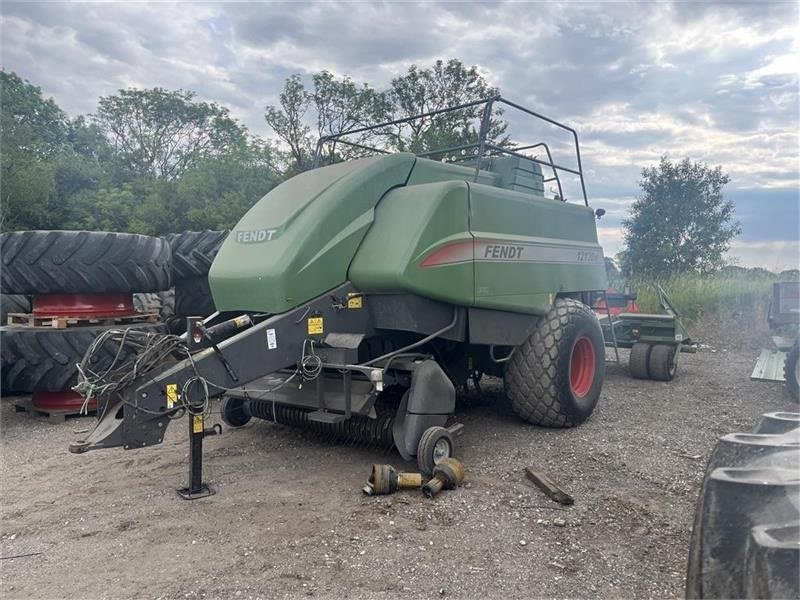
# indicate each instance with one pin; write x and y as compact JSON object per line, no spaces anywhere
{"x":289,"y":518}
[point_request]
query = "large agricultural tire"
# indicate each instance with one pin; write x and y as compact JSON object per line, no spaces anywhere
{"x":193,"y":252}
{"x":639,"y":360}
{"x":662,"y":364}
{"x":83,"y":262}
{"x":193,"y":298}
{"x":555,"y":376}
{"x":745,"y":539}
{"x":13,"y":303}
{"x":791,"y":372}
{"x":45,"y":358}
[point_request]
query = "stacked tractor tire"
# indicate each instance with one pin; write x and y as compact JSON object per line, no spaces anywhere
{"x":61,"y":289}
{"x":192,"y":255}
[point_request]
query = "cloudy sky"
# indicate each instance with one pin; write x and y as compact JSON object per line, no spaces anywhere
{"x":715,"y":82}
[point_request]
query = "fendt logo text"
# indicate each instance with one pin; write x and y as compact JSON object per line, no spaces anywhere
{"x":255,"y":235}
{"x":503,"y":251}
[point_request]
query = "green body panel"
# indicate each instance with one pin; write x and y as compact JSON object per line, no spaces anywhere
{"x":402,"y":224}
{"x":557,"y":249}
{"x":409,"y":223}
{"x":430,"y":171}
{"x":297,"y":241}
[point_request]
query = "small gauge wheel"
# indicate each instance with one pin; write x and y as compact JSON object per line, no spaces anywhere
{"x":435,"y":445}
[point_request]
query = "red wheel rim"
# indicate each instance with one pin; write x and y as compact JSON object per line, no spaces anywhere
{"x":83,"y":305}
{"x":66,"y":401}
{"x":582,"y":366}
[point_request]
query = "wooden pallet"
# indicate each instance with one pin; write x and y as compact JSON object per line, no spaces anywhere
{"x":57,"y":322}
{"x":51,"y":416}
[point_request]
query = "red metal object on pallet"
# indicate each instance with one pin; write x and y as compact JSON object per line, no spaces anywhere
{"x":66,"y":401}
{"x":83,"y":305}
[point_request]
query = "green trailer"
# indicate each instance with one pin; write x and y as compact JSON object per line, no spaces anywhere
{"x":655,"y":340}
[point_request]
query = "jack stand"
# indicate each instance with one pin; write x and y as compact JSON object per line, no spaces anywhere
{"x":197,"y":489}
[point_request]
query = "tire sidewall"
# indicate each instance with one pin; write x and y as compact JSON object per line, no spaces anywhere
{"x":579,"y":407}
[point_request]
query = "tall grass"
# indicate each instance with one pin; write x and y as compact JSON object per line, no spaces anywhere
{"x":695,"y":296}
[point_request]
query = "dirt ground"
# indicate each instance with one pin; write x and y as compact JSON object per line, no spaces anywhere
{"x":289,"y":518}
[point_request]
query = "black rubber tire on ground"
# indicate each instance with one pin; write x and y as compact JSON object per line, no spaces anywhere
{"x":745,"y":541}
{"x":45,"y":358}
{"x":13,"y":303}
{"x":233,"y":412}
{"x":193,"y":252}
{"x":538,"y":378}
{"x":193,"y":298}
{"x":639,"y":360}
{"x":662,"y":364}
{"x":790,"y":372}
{"x":83,"y":262}
{"x":435,"y":445}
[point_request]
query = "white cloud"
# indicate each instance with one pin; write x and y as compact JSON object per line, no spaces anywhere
{"x":774,"y":256}
{"x":717,"y":83}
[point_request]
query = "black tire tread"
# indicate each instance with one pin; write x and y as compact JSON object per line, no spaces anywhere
{"x":193,"y":298}
{"x":45,"y":358}
{"x":83,"y":262}
{"x":639,"y":360}
{"x":193,"y":252}
{"x":658,"y":364}
{"x":532,"y":380}
{"x":13,"y":303}
{"x":425,"y":447}
{"x":231,"y":414}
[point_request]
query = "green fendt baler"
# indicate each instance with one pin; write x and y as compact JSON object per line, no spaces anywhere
{"x":356,"y":298}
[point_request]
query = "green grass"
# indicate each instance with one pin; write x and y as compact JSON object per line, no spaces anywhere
{"x":695,"y":296}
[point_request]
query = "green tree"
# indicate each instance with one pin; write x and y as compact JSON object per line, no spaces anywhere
{"x":213,"y":194}
{"x":443,"y":85}
{"x":335,"y":105}
{"x":162,"y":133}
{"x":681,"y":222}
{"x":33,"y":132}
{"x":612,"y":272}
{"x":288,"y":123}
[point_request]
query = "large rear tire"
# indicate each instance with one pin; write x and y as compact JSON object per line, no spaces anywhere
{"x":554,"y":378}
{"x":45,"y":358}
{"x":83,"y":262}
{"x":791,"y":372}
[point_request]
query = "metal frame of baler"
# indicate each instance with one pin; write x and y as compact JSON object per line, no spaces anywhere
{"x":482,"y":146}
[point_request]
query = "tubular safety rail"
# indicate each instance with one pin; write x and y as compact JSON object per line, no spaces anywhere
{"x":482,"y":145}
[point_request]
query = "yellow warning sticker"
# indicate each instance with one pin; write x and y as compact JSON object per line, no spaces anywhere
{"x":355,"y":301}
{"x":197,"y":424}
{"x":315,"y":325}
{"x":172,"y":395}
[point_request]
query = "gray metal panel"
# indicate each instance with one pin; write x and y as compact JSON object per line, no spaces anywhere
{"x":769,"y":366}
{"x":306,"y":397}
{"x":407,"y":312}
{"x":499,"y":327}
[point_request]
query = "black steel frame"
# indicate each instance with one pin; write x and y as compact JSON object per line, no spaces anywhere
{"x":482,"y":145}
